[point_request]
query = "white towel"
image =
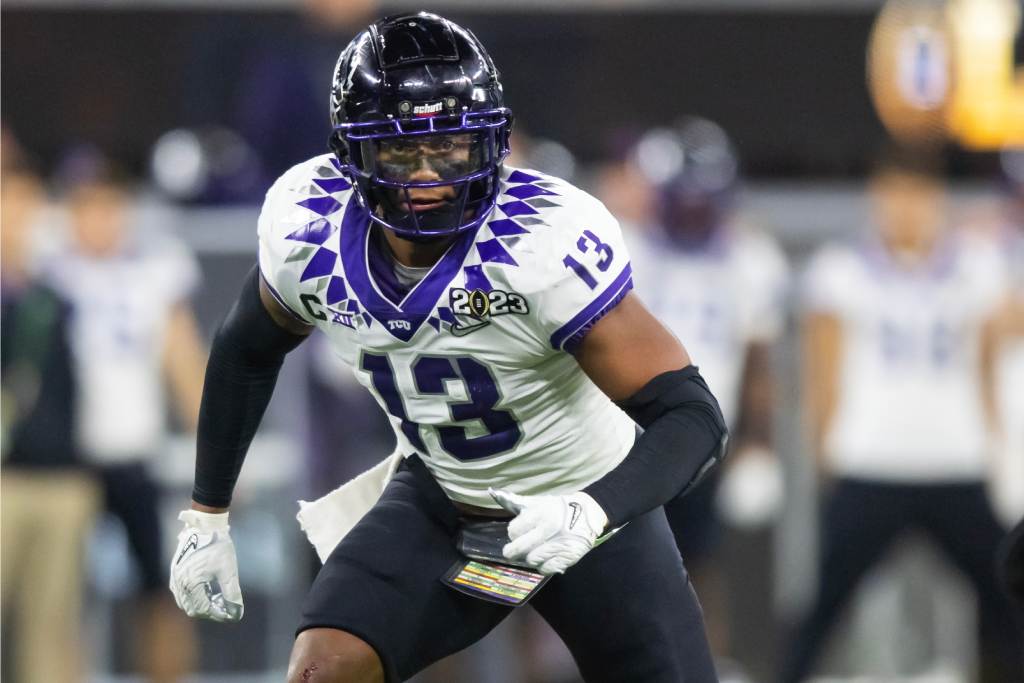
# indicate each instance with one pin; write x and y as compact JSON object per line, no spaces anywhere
{"x":328,"y":519}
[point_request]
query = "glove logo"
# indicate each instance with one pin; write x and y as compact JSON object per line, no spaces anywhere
{"x":576,"y":510}
{"x":192,"y":544}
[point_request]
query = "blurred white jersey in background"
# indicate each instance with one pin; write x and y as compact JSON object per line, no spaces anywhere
{"x":717,"y":300}
{"x":909,"y":407}
{"x":120,"y":307}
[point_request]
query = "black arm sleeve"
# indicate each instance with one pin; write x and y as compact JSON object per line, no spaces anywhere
{"x":684,"y":436}
{"x":247,"y":353}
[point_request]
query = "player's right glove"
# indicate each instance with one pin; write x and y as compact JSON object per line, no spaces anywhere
{"x":551,"y":533}
{"x":204,"y":571}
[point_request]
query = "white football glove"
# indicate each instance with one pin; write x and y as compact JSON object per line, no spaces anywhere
{"x":551,"y":533}
{"x":1006,"y":482}
{"x":204,"y":571}
{"x":753,"y":488}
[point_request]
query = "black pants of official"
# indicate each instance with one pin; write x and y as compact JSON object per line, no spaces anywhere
{"x":863,"y":518}
{"x":626,"y":611}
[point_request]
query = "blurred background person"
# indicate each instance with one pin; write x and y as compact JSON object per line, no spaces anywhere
{"x":48,"y":500}
{"x":259,"y":110}
{"x":280,"y":90}
{"x":134,"y":338}
{"x":899,"y":403}
{"x":719,"y":283}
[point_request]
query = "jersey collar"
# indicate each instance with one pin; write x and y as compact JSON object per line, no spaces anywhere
{"x":402,"y":318}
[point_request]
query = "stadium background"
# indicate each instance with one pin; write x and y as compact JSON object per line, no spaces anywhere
{"x":231,"y":82}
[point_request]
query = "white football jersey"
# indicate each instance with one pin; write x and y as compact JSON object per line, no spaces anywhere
{"x":716,"y":300}
{"x":909,"y":405}
{"x":471,"y":365}
{"x":120,"y":308}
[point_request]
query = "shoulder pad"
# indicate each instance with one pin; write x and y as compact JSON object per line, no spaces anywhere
{"x":300,"y":215}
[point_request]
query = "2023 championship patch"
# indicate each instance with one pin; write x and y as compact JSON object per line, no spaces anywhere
{"x":494,"y":582}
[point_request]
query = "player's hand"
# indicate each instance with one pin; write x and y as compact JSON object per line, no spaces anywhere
{"x":1006,"y":482}
{"x":753,"y":488}
{"x":204,"y":571}
{"x":551,"y":533}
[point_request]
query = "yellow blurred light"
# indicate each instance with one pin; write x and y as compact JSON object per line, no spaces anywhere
{"x":987,"y":108}
{"x":944,"y":69}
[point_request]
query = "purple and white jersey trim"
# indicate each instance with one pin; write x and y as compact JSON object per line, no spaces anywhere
{"x":569,"y":336}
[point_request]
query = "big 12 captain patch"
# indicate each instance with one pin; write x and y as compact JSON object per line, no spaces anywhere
{"x":481,"y":306}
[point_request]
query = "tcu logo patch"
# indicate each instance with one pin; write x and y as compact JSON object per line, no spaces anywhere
{"x":399,"y":325}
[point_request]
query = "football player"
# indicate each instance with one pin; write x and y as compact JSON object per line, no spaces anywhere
{"x":488,"y":309}
{"x":718,"y":283}
{"x":134,"y":337}
{"x":896,"y":398}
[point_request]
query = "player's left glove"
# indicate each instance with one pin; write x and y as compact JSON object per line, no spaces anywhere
{"x":551,"y":533}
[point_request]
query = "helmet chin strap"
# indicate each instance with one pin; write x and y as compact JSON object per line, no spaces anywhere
{"x":407,"y":224}
{"x":425,"y":239}
{"x":397,"y":218}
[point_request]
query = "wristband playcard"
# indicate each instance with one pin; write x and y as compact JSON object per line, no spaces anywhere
{"x":494,"y":582}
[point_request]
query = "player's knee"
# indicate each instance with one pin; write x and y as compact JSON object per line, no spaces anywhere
{"x":324,"y":655}
{"x":333,"y":669}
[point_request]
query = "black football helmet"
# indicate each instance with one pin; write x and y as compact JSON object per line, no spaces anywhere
{"x":694,"y":167}
{"x":416,"y":104}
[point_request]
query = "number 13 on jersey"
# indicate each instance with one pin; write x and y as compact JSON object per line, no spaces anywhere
{"x":587,"y":241}
{"x":430,"y":374}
